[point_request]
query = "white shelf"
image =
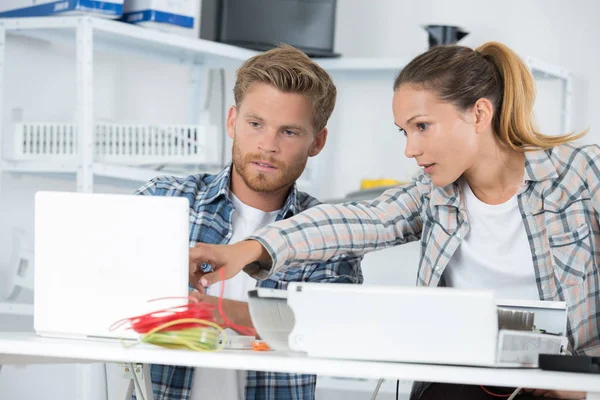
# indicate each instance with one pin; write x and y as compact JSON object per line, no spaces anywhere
{"x":130,"y":38}
{"x":139,"y":174}
{"x":118,"y":172}
{"x":134,"y":174}
{"x":543,"y":70}
{"x":16,"y":309}
{"x":385,"y":65}
{"x":36,"y":167}
{"x":126,"y":37}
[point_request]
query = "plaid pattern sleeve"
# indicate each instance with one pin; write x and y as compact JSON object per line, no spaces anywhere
{"x":328,"y":231}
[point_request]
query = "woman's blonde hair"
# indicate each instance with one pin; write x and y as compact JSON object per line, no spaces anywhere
{"x":493,"y":71}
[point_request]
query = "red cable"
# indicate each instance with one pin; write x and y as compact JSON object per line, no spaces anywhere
{"x":245,"y":330}
{"x":495,"y":394}
{"x":146,"y":322}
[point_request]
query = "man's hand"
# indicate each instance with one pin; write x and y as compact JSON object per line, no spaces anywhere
{"x":231,"y":258}
{"x":556,"y":394}
{"x":236,"y":311}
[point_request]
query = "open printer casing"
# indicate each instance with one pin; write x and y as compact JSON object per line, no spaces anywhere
{"x":404,"y":324}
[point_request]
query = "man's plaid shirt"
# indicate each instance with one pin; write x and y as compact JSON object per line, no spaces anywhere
{"x":211,"y":213}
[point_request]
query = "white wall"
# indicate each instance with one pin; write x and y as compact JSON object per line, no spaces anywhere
{"x":363,"y":142}
{"x":555,"y":31}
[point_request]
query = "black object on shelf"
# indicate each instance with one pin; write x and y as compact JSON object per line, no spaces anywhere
{"x":585,"y":364}
{"x":308,"y":25}
{"x":444,"y":34}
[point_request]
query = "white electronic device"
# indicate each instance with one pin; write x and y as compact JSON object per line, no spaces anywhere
{"x":405,"y":324}
{"x":42,"y":8}
{"x":174,"y":16}
{"x":100,"y":258}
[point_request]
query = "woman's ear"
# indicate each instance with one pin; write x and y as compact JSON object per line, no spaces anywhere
{"x":484,"y":114}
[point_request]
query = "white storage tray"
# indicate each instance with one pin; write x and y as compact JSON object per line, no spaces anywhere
{"x":130,"y":144}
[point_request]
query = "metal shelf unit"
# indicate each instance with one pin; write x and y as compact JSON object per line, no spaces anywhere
{"x":97,"y":33}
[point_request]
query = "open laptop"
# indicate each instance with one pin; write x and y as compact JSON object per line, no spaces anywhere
{"x":100,"y":258}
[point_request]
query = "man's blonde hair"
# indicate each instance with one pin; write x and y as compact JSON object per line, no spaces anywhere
{"x":290,"y":71}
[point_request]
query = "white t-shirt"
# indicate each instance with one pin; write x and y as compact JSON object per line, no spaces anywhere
{"x":210,"y":383}
{"x":495,"y":254}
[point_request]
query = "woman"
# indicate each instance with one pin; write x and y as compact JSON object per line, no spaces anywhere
{"x":498,"y":205}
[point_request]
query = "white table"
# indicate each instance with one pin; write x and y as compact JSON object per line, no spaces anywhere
{"x":27,"y":348}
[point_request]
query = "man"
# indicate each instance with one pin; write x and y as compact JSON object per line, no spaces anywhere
{"x":283,"y":101}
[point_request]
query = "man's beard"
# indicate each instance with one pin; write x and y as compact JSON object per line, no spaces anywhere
{"x":282,"y":178}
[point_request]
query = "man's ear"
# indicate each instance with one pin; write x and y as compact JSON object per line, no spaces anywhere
{"x":231,"y":118}
{"x":318,"y":143}
{"x":484,"y":113}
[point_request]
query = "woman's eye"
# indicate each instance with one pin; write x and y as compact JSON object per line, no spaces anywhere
{"x":402,"y":131}
{"x":422,"y":126}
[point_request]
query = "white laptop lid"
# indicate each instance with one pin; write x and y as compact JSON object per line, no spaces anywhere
{"x":101,"y":257}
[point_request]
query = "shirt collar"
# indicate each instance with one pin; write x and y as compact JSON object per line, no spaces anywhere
{"x":445,"y":196}
{"x":538,"y":166}
{"x":217,"y":188}
{"x":291,"y":206}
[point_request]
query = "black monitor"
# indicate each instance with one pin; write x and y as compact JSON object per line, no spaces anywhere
{"x":308,"y":25}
